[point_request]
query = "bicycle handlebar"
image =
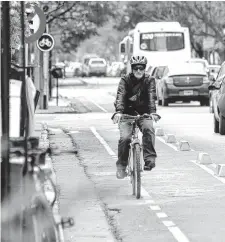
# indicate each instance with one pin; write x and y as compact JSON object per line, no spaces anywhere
{"x":140,"y":116}
{"x":136,"y":117}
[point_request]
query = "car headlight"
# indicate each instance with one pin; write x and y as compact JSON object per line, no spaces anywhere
{"x":205,"y":80}
{"x":169,"y":80}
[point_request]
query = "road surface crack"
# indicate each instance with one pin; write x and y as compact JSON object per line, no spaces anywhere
{"x":109,"y":212}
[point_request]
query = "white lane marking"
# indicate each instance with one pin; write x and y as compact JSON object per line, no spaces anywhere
{"x":74,"y":132}
{"x":161,"y":215}
{"x":211,"y":172}
{"x":149,"y":201}
{"x":168,"y":223}
{"x":170,"y":145}
{"x":102,"y":141}
{"x":164,"y":142}
{"x":90,"y":100}
{"x":176,"y":232}
{"x":178,"y":235}
{"x":155,"y":208}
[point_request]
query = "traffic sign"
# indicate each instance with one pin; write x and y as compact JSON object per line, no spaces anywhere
{"x":46,"y":42}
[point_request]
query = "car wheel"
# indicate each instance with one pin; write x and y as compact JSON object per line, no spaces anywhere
{"x":159,"y":101}
{"x":222,"y":125}
{"x":165,"y":101}
{"x":204,"y":102}
{"x":216,"y":125}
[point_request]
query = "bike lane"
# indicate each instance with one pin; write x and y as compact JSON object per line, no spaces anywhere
{"x":184,"y":204}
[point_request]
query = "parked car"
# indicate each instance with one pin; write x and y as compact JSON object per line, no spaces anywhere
{"x":97,"y":66}
{"x":115,"y":69}
{"x":213,"y":72}
{"x":218,"y":101}
{"x":85,"y":62}
{"x":182,"y":82}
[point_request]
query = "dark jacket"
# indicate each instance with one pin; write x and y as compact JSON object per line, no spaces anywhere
{"x":143,"y":102}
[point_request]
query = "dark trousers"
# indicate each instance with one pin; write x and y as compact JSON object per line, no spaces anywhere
{"x":148,"y":140}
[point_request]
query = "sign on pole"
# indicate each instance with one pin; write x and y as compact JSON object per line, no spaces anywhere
{"x":208,"y":43}
{"x":46,"y":42}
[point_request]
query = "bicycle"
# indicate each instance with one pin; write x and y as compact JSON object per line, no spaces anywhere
{"x":135,"y":159}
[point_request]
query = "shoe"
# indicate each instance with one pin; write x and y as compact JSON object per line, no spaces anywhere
{"x":121,"y":173}
{"x":149,"y":165}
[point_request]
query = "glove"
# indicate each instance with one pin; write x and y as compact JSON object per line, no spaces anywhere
{"x":155,"y":117}
{"x":117,"y":117}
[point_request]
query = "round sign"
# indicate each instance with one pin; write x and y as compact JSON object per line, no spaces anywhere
{"x":144,"y":46}
{"x":46,"y":42}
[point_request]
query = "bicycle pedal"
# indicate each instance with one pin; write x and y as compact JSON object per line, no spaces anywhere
{"x":67,"y":222}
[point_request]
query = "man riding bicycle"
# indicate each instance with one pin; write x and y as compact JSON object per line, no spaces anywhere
{"x":136,"y":95}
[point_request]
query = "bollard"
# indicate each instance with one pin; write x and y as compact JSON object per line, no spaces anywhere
{"x":220,"y":170}
{"x":184,"y":145}
{"x":204,"y":159}
{"x":170,"y":138}
{"x":159,"y":132}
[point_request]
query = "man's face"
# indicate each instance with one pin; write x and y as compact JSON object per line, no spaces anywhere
{"x":138,"y":71}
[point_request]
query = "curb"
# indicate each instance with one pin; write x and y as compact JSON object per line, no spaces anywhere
{"x":45,"y":143}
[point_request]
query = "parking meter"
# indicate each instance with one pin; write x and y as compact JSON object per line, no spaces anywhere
{"x":57,"y":73}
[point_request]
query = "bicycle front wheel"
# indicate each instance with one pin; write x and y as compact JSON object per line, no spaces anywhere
{"x":137,"y":171}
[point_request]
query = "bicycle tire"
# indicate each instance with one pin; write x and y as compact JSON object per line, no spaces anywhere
{"x":137,"y":171}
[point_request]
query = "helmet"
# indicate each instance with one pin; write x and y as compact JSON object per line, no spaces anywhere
{"x":138,"y":60}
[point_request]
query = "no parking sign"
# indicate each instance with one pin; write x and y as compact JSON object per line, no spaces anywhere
{"x":46,"y":42}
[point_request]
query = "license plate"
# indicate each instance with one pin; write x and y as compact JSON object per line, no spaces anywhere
{"x":188,"y":92}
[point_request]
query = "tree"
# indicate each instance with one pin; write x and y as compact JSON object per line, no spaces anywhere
{"x":77,"y":21}
{"x":105,"y":44}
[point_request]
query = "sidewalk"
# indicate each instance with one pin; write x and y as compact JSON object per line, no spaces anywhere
{"x":64,"y":106}
{"x":77,"y":197}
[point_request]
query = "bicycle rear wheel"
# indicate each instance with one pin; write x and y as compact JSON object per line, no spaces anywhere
{"x":136,"y":171}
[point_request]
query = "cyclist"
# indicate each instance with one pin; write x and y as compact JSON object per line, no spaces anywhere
{"x":136,"y":95}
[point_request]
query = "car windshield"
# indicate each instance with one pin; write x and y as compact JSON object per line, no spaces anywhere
{"x":98,"y":62}
{"x":166,"y":41}
{"x":202,"y":62}
{"x":187,"y":68}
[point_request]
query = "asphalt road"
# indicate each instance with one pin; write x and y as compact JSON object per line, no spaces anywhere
{"x":181,"y":200}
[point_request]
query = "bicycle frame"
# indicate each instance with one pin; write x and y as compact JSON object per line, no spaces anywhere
{"x":134,"y":140}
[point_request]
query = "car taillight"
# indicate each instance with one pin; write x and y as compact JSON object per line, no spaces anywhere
{"x":205,"y":80}
{"x":169,"y":80}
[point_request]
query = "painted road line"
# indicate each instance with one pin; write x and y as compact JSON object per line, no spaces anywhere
{"x":178,"y":235}
{"x":176,"y":232}
{"x":90,"y":100}
{"x":149,"y":201}
{"x":102,"y":141}
{"x":155,"y":208}
{"x":168,"y":223}
{"x":170,"y":145}
{"x":211,"y":172}
{"x":161,"y":215}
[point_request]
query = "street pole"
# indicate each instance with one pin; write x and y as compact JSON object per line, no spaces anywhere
{"x":5,"y":77}
{"x":46,"y":75}
{"x":57,"y":90}
{"x":50,"y":76}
